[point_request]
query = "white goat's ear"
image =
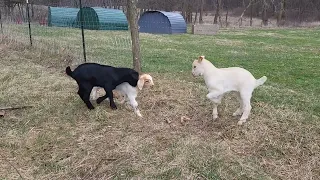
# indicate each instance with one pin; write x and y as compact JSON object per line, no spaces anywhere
{"x":200,"y":58}
{"x":140,"y":83}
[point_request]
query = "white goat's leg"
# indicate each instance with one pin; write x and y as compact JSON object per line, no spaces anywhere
{"x":216,"y":102}
{"x":246,"y":97}
{"x":239,"y":111}
{"x":94,"y":93}
{"x":134,"y":105}
{"x":213,"y":95}
{"x":215,"y":111}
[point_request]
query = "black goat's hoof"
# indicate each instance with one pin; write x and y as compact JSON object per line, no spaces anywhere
{"x":114,"y":107}
{"x":90,"y":106}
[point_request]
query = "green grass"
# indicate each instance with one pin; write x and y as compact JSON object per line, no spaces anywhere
{"x":289,"y":58}
{"x":64,"y":140}
{"x":285,"y":56}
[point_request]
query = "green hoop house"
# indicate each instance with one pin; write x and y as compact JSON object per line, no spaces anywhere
{"x":97,"y":18}
{"x":62,"y":17}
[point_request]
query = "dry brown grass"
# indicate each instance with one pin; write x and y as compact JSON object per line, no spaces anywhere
{"x":59,"y":138}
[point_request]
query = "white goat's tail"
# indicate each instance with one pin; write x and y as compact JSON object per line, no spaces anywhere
{"x":260,"y":81}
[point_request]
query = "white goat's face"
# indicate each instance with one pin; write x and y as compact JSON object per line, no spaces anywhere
{"x":145,"y":81}
{"x":197,"y":67}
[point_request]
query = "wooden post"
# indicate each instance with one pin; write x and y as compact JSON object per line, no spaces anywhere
{"x":132,"y":13}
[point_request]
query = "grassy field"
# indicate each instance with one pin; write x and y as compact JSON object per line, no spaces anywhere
{"x":60,"y":139}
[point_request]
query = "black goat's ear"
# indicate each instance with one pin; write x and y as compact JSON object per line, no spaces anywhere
{"x":133,"y":78}
{"x":135,"y":75}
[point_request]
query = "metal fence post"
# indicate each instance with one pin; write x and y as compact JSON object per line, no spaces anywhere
{"x":82,"y":32}
{"x":28,"y":14}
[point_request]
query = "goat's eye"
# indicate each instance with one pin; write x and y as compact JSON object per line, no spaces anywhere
{"x":194,"y":66}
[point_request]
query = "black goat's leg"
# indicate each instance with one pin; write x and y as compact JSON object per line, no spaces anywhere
{"x":102,"y":98}
{"x":84,"y":94}
{"x":109,"y":94}
{"x":87,"y":101}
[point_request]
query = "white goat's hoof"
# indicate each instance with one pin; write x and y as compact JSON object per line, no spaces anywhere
{"x":241,"y":122}
{"x":214,"y":117}
{"x":236,"y":114}
{"x":139,"y":114}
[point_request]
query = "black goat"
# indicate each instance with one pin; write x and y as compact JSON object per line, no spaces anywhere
{"x":89,"y":75}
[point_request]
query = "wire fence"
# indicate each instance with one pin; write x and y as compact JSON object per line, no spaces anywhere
{"x":88,"y":32}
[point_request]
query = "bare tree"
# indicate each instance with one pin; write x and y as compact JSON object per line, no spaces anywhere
{"x":251,"y":12}
{"x":227,"y":16}
{"x":217,"y":15}
{"x":189,"y":12}
{"x":282,"y":10}
{"x":132,"y":13}
{"x":201,"y":12}
{"x":196,"y":16}
{"x":282,"y":13}
{"x":240,"y":19}
{"x":264,"y":13}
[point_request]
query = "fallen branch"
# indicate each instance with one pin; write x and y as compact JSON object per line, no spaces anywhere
{"x":13,"y":108}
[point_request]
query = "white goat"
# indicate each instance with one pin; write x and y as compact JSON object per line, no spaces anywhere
{"x":222,"y":80}
{"x":129,"y":92}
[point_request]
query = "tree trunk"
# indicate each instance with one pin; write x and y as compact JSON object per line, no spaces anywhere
{"x":264,"y":13}
{"x":21,"y":12}
{"x":32,"y":10}
{"x":187,"y":8}
{"x":133,"y":23}
{"x":282,"y":13}
{"x":184,"y":10}
{"x":251,"y":13}
{"x":217,"y":15}
{"x":189,"y":13}
{"x":227,"y":16}
{"x":240,"y":19}
{"x":201,"y":12}
{"x":196,"y":17}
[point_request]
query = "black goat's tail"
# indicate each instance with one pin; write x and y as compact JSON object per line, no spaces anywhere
{"x":68,"y":71}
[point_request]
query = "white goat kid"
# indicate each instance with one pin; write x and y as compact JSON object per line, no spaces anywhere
{"x":222,"y":80}
{"x":129,"y":92}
